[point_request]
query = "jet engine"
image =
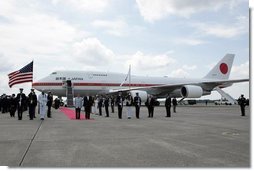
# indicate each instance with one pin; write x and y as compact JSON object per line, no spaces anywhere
{"x":142,"y":94}
{"x":191,"y":91}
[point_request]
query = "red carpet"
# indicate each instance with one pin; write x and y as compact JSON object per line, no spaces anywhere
{"x":71,"y":114}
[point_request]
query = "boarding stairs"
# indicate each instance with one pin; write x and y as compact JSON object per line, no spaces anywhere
{"x":226,"y":95}
{"x":69,"y":93}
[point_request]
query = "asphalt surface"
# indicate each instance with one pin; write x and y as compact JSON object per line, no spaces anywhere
{"x":195,"y":136}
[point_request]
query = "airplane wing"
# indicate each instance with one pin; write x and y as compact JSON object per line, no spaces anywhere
{"x":207,"y":85}
{"x":217,"y":77}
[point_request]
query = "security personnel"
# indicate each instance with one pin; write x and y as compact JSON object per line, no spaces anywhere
{"x":112,"y":102}
{"x":137,"y":103}
{"x":4,"y":103}
{"x":174,"y":104}
{"x":106,"y":105}
{"x":88,"y":102}
{"x":168,"y":106}
{"x":242,"y":103}
{"x":57,"y":103}
{"x":13,"y":105}
{"x":150,"y":105}
{"x":49,"y":103}
{"x":21,"y":99}
{"x":32,"y":103}
{"x":1,"y":102}
{"x":119,"y":102}
{"x":100,"y":105}
{"x":85,"y":101}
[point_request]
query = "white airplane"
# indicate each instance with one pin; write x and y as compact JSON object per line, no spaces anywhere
{"x":88,"y":83}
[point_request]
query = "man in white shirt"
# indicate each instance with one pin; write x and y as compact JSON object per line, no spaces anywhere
{"x":78,"y":105}
{"x":42,"y":99}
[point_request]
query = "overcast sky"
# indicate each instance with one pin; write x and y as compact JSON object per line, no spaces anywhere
{"x":157,"y":37}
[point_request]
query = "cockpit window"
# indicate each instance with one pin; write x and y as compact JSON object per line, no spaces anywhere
{"x":53,"y":73}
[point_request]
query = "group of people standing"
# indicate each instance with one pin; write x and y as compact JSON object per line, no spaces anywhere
{"x":91,"y":105}
{"x":129,"y":101}
{"x":45,"y":104}
{"x":87,"y":102}
{"x":168,"y":105}
{"x":21,"y":102}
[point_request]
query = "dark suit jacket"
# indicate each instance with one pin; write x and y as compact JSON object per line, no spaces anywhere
{"x":23,"y":99}
{"x":168,"y":102}
{"x":119,"y":100}
{"x":137,"y":100}
{"x":32,"y":101}
{"x":152,"y":102}
{"x":106,"y":102}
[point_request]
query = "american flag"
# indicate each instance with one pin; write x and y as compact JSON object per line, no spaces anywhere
{"x":23,"y":75}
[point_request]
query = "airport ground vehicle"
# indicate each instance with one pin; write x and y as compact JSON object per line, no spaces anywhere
{"x":222,"y":102}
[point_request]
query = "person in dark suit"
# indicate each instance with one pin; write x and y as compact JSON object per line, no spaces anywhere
{"x":106,"y":105}
{"x":49,"y":104}
{"x":88,"y":103}
{"x":57,"y":103}
{"x":174,"y":104}
{"x":137,"y":103}
{"x":1,"y":102}
{"x":85,"y":101}
{"x":242,"y":103}
{"x":85,"y":104}
{"x":13,"y":105}
{"x":4,"y":103}
{"x":32,"y":103}
{"x":119,"y":102}
{"x":168,"y":106}
{"x":112,"y":103}
{"x":100,"y":105}
{"x":150,"y":105}
{"x":21,"y":100}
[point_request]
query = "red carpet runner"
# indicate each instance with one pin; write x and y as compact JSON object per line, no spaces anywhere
{"x":71,"y":114}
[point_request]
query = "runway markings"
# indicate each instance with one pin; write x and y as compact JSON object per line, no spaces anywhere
{"x":23,"y":157}
{"x":230,"y":133}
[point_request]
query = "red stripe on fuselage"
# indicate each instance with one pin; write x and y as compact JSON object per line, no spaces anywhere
{"x":47,"y":84}
{"x":94,"y":84}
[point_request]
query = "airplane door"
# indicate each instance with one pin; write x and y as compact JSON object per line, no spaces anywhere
{"x":68,"y":82}
{"x":69,"y":93}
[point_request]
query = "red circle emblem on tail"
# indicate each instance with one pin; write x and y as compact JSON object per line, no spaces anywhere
{"x":224,"y":68}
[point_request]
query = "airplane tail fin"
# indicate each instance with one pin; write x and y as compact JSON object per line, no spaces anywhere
{"x":222,"y":69}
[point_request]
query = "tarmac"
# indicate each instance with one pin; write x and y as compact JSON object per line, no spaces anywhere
{"x":194,"y":137}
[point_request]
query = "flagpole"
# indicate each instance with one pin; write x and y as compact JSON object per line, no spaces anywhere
{"x":129,"y":77}
{"x":33,"y":74}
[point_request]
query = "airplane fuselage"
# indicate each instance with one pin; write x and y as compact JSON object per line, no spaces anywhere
{"x":90,"y":83}
{"x":93,"y":83}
